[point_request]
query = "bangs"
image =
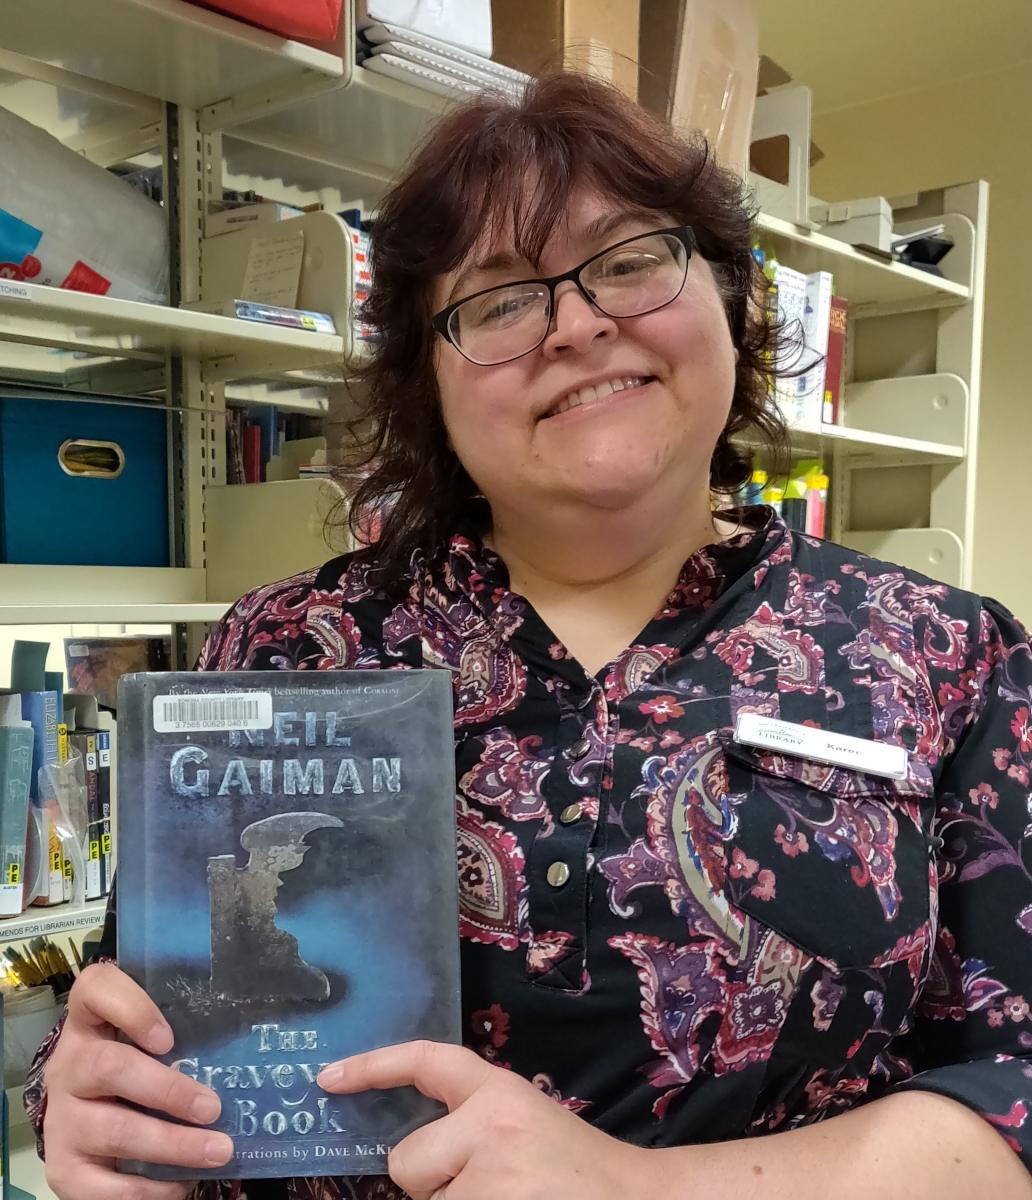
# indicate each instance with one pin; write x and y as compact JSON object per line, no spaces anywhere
{"x":510,"y":169}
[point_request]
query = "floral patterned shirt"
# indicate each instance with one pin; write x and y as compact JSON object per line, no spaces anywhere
{"x":680,"y":937}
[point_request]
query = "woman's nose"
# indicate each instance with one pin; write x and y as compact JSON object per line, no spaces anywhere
{"x":576,"y":323}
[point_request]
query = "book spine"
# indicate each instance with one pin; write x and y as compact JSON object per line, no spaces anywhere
{"x":44,"y":886}
{"x":819,"y":286}
{"x":40,"y":709}
{"x":107,"y":846}
{"x":252,"y":454}
{"x":66,"y":861}
{"x":15,"y":772}
{"x":836,"y":359}
{"x":791,"y":309}
{"x":87,"y":746}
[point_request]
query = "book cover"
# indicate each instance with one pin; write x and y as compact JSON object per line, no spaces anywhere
{"x":792,"y":355}
{"x":836,"y":361}
{"x":816,"y":320}
{"x":288,"y":896}
{"x":15,"y":773}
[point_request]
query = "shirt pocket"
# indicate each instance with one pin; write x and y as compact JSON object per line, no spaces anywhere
{"x":836,"y":861}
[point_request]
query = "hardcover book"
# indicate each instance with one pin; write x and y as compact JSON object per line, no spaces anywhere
{"x":287,"y":895}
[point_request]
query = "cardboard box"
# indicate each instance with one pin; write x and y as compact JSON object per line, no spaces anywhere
{"x":699,"y":63}
{"x":596,"y":36}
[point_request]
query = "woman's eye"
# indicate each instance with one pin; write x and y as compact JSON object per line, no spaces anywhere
{"x":503,"y":308}
{"x":628,"y":265}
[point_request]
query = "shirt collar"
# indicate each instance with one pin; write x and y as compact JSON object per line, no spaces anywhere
{"x":479,"y":574}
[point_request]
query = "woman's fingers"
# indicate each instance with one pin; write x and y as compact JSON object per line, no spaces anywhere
{"x":116,"y":1131}
{"x":104,"y":995}
{"x":92,"y":1181}
{"x":116,"y":1069}
{"x":429,"y":1158}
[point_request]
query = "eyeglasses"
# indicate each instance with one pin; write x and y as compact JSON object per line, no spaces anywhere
{"x":633,"y":277}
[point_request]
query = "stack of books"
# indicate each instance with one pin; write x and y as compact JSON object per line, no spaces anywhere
{"x":56,"y":798}
{"x":431,"y":63}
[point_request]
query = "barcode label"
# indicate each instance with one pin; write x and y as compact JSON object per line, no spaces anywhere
{"x":225,"y":710}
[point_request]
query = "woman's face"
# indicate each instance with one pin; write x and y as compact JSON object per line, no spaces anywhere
{"x":610,"y":451}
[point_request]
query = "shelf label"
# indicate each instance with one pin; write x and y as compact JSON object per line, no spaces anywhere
{"x":15,"y":291}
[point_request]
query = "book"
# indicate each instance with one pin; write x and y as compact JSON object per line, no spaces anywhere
{"x":792,"y":354}
{"x":252,"y":453}
{"x":15,"y":774}
{"x":107,"y":851}
{"x":288,"y":896}
{"x":95,"y":664}
{"x":835,"y":365}
{"x":816,"y":322}
{"x":267,"y":314}
{"x":85,"y":744}
{"x":44,"y":884}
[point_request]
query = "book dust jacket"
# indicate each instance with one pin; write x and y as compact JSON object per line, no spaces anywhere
{"x":287,"y":894}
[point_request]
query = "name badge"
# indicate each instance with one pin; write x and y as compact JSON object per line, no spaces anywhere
{"x":835,"y":749}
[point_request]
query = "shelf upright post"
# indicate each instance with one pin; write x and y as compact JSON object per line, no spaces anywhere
{"x":193,"y":163}
{"x":959,"y":351}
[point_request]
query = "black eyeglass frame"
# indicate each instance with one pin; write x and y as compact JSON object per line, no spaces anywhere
{"x":685,"y":234}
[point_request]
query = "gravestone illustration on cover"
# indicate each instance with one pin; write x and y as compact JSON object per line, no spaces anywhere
{"x":251,"y":957}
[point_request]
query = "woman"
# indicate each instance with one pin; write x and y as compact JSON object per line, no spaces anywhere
{"x":674,"y":938}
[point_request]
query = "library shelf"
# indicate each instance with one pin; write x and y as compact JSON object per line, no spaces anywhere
{"x":110,"y":614}
{"x":869,"y":283}
{"x":164,"y":49}
{"x":59,"y":918}
{"x":228,"y":348}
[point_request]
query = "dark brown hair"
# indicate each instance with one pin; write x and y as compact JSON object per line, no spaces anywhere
{"x":469,"y":176}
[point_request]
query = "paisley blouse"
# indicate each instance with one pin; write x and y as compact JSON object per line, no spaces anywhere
{"x":677,"y":936}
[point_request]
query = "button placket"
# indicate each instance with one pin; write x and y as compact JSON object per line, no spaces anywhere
{"x":557,"y":865}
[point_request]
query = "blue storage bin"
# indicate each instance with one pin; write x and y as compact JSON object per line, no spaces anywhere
{"x":83,"y":483}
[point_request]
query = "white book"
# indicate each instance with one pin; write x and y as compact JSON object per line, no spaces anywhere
{"x":791,"y":301}
{"x":816,"y":325}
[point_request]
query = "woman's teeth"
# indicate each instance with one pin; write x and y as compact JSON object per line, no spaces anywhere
{"x":587,"y":394}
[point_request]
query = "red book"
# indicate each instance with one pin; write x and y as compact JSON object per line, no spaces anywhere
{"x":836,"y":360}
{"x":252,"y":454}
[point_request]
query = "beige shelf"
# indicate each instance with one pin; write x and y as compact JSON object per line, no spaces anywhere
{"x":61,"y":918}
{"x":230,"y":349}
{"x":167,"y":49}
{"x":860,"y":442}
{"x":109,"y":614}
{"x":354,"y":138}
{"x":114,"y":590}
{"x":866,"y":281}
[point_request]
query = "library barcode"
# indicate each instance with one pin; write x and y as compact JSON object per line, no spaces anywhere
{"x":248,"y":710}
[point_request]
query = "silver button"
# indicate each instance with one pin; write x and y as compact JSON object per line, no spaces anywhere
{"x":579,"y":749}
{"x":558,"y":873}
{"x":570,"y":814}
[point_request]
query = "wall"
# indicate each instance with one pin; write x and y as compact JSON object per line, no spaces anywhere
{"x":978,"y":127}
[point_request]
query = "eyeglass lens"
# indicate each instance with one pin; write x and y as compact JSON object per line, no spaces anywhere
{"x":627,"y":281}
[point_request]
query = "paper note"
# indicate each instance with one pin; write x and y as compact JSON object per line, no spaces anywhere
{"x":273,"y":270}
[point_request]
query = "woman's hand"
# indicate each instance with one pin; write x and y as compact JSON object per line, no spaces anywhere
{"x":502,"y":1137}
{"x":86,"y":1127}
